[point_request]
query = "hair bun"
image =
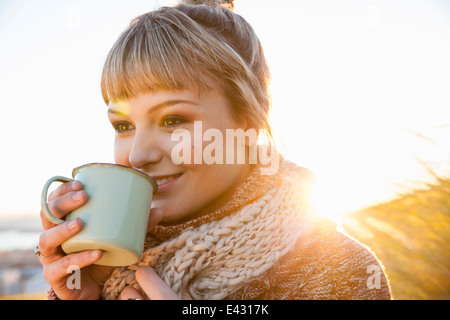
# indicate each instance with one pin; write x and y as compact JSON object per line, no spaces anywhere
{"x":212,"y":3}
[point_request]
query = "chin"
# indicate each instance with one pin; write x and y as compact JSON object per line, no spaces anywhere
{"x":169,"y":217}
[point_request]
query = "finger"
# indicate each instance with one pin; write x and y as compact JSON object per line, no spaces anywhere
{"x":50,"y":240}
{"x":130,"y":293}
{"x":154,"y":287}
{"x":57,"y":270}
{"x":156,"y":215}
{"x":67,"y":203}
{"x":64,"y":188}
{"x":64,"y":204}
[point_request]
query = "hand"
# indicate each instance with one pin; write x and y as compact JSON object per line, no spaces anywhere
{"x":154,"y":287}
{"x":66,"y":198}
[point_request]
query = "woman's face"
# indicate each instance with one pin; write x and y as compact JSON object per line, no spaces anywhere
{"x":144,"y":127}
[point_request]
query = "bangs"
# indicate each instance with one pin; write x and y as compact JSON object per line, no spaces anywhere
{"x":150,"y":55}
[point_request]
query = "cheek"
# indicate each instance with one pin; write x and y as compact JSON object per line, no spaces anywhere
{"x":122,"y":151}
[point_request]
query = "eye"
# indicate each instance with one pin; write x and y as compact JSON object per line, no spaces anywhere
{"x":172,"y":121}
{"x":122,"y":126}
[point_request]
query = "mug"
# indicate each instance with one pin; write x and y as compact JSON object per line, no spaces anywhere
{"x":116,"y":214}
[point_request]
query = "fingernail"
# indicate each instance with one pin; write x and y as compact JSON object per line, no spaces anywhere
{"x":77,"y":196}
{"x":76,"y":185}
{"x":73,"y":224}
{"x":95,"y":254}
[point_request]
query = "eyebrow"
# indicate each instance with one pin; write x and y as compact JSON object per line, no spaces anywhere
{"x":155,"y":108}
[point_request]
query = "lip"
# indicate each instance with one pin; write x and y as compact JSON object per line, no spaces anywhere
{"x":166,"y":185}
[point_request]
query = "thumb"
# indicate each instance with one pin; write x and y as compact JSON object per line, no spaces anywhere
{"x":156,"y":215}
{"x":130,"y":293}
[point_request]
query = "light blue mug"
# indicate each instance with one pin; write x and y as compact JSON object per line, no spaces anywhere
{"x":115,"y":216}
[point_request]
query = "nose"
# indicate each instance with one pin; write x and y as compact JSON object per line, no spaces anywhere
{"x":144,"y":150}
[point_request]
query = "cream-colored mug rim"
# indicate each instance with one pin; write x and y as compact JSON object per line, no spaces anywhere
{"x":146,"y":176}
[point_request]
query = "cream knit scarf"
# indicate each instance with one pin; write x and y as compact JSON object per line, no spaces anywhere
{"x":215,"y":259}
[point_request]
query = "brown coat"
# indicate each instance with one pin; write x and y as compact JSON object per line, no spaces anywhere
{"x":328,"y":266}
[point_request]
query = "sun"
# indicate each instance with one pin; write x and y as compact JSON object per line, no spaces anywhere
{"x":328,"y":202}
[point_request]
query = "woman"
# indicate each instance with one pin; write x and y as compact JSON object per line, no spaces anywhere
{"x":221,"y":229}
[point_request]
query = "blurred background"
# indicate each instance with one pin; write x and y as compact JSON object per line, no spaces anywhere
{"x":360,"y":94}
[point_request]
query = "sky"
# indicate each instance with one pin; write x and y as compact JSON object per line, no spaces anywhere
{"x":360,"y":91}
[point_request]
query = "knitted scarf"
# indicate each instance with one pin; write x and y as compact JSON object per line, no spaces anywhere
{"x":213,"y":256}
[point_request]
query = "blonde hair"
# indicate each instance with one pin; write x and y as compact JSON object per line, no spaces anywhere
{"x":190,"y":46}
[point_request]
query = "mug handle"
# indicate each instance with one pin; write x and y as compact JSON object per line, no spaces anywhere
{"x":44,"y":205}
